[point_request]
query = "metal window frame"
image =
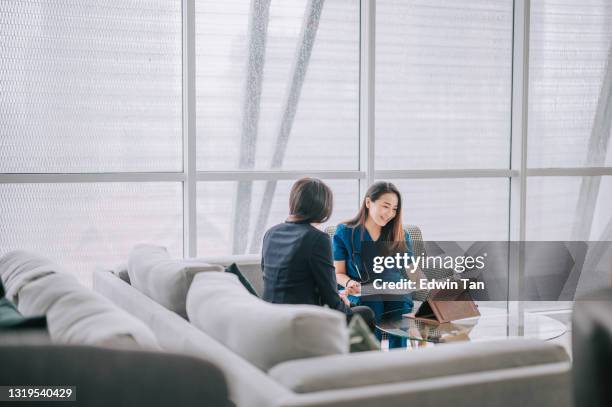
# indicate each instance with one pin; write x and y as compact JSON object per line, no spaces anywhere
{"x":518,"y":161}
{"x":367,"y":96}
{"x":517,"y":174}
{"x":190,"y":236}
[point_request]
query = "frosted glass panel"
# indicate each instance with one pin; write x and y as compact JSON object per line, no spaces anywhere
{"x":457,"y":209}
{"x":570,"y":82}
{"x":216,"y":216}
{"x":90,"y":86}
{"x":261,"y":102}
{"x":85,"y":226}
{"x":443,"y":84}
{"x":569,"y":208}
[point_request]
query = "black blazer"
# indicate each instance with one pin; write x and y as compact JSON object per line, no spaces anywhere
{"x":298,"y":268}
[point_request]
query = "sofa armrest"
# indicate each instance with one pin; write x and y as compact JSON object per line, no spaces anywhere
{"x":370,"y":368}
{"x":546,"y":385}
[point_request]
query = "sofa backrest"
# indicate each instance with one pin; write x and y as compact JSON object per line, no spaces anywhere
{"x":265,"y":334}
{"x":155,"y":273}
{"x":75,"y":314}
{"x":248,"y":385}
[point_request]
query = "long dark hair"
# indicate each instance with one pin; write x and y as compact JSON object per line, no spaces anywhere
{"x":392,"y":231}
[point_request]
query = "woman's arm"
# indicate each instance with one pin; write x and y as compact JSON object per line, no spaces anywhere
{"x":341,"y":254}
{"x":341,"y":276}
{"x":352,"y":286}
{"x":322,"y":270}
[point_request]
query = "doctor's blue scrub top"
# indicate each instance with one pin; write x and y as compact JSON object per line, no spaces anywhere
{"x":343,"y":249}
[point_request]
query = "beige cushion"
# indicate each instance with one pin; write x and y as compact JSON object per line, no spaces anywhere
{"x":375,"y":367}
{"x":265,"y":334}
{"x":166,"y":280}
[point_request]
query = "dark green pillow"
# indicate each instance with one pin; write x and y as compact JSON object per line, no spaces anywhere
{"x":361,"y":339}
{"x":10,"y":318}
{"x":233,"y":268}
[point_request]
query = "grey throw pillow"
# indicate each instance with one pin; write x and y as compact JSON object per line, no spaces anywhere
{"x":166,"y":280}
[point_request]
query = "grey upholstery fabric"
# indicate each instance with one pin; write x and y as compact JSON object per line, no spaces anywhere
{"x":166,"y":280}
{"x":265,"y":334}
{"x":109,"y":377}
{"x":368,"y":368}
{"x":538,"y":386}
{"x":75,"y":314}
{"x":592,"y":349}
{"x":248,"y":385}
{"x":529,"y":386}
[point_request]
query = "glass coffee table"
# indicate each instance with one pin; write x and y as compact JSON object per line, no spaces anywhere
{"x":493,"y":323}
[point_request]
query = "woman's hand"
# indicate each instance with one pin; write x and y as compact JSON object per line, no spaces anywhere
{"x":353,"y":287}
{"x":344,"y":299}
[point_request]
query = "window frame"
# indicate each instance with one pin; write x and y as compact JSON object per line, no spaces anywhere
{"x":518,"y":174}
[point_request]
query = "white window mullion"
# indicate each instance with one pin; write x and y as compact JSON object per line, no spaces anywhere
{"x":367,"y":58}
{"x":518,"y":161}
{"x":189,"y":131}
{"x":520,"y":94}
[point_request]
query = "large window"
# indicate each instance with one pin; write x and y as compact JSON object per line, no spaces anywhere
{"x":90,"y":87}
{"x":277,"y":90}
{"x":90,"y":112}
{"x":277,"y":85}
{"x":443,"y":84}
{"x":102,"y":148}
{"x":570,"y":112}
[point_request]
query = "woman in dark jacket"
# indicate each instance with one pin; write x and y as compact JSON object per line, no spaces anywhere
{"x":297,"y":260}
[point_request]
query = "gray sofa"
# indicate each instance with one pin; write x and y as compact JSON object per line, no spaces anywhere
{"x":91,"y":344}
{"x":110,"y":377}
{"x":511,"y":372}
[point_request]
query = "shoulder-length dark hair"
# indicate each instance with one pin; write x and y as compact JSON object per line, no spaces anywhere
{"x":310,"y":201}
{"x":392,"y":231}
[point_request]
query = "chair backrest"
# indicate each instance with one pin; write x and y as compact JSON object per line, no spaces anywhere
{"x":413,"y":231}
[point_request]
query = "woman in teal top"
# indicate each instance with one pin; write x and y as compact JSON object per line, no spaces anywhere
{"x":378,"y":220}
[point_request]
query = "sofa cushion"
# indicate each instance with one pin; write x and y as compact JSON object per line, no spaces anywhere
{"x":265,"y":334}
{"x":375,"y":367}
{"x":166,"y":280}
{"x":75,"y":314}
